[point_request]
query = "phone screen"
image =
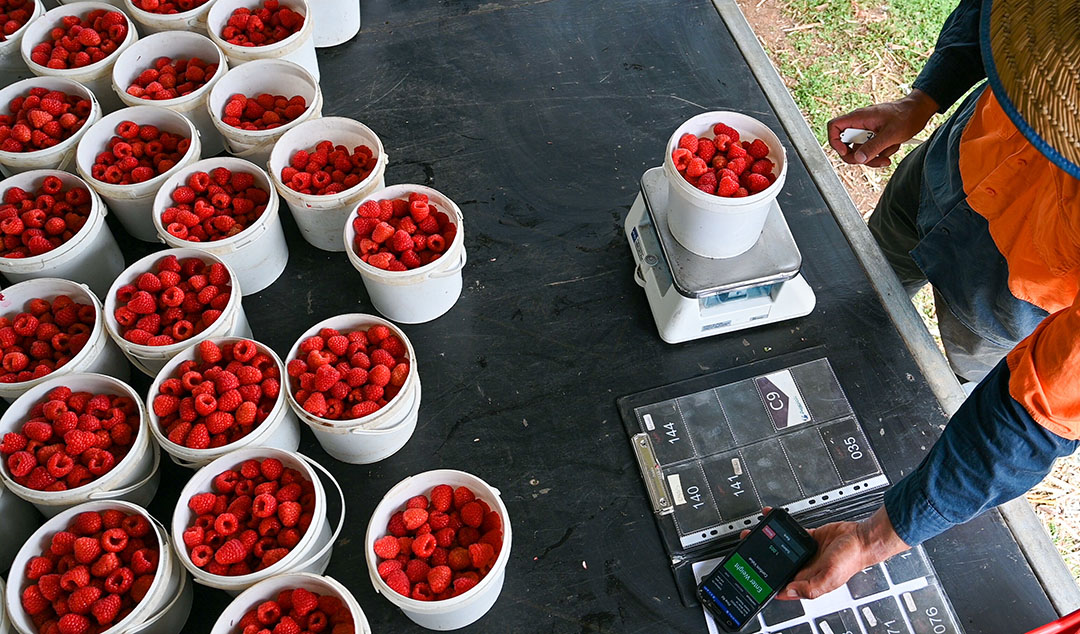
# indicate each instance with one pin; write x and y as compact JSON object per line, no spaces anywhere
{"x":761,"y":565}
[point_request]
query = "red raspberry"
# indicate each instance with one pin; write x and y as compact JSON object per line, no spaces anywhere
{"x":462,"y":496}
{"x":756,"y":183}
{"x":231,"y":552}
{"x":399,"y":582}
{"x":439,"y":578}
{"x":689,"y":142}
{"x":758,"y":149}
{"x":386,"y":547}
{"x":415,"y":517}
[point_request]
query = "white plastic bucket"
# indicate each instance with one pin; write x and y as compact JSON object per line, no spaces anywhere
{"x":134,"y":478}
{"x":269,"y":589}
{"x":90,"y":257}
{"x":298,"y":47}
{"x":62,"y":155}
{"x":259,"y":253}
{"x":336,"y":21}
{"x":272,"y":76}
{"x":177,"y":45}
{"x":96,"y":77}
{"x":119,"y":4}
{"x":459,"y":611}
{"x":12,"y":66}
{"x":321,"y":218}
{"x":424,"y":293}
{"x":193,"y":21}
{"x":280,"y":430}
{"x":378,"y":435}
{"x":311,"y":554}
{"x":150,"y":359}
{"x":715,"y":226}
{"x":133,"y":204}
{"x":21,"y":519}
{"x":164,"y":609}
{"x":99,"y":354}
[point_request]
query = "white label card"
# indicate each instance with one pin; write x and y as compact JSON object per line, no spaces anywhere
{"x":782,"y":399}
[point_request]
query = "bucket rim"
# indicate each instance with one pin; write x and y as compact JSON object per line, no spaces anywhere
{"x":372,"y":320}
{"x":684,"y":186}
{"x":153,"y":420}
{"x":143,"y":265}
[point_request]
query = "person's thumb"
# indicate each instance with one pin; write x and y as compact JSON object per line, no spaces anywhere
{"x":875,"y":146}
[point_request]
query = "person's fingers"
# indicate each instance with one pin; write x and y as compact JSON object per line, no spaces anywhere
{"x":743,"y":534}
{"x":877,"y":146}
{"x":765,"y":510}
{"x":878,"y":162}
{"x":833,"y":130}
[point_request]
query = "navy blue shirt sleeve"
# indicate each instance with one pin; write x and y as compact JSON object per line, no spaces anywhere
{"x":956,"y":64}
{"x":990,"y":452}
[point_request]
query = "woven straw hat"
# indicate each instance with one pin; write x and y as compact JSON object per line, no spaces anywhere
{"x":1031,"y":51}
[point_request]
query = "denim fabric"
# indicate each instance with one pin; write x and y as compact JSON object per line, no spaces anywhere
{"x":956,"y":63}
{"x":955,"y":249}
{"x":990,"y":452}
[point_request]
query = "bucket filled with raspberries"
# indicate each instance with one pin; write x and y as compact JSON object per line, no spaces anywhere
{"x":253,"y":514}
{"x":227,"y":207}
{"x":99,"y":567}
{"x":155,"y":16}
{"x":80,"y":41}
{"x":323,"y":168}
{"x":255,"y":103}
{"x":129,"y":154}
{"x":218,"y":396}
{"x":353,"y":380}
{"x":170,"y":300}
{"x":42,"y":120}
{"x":724,"y":172}
{"x":296,"y":602}
{"x":248,"y":30}
{"x":53,"y":225}
{"x":174,"y":70}
{"x":407,"y":242}
{"x":437,"y":547}
{"x":15,"y":15}
{"x":78,"y":438}
{"x":49,"y":328}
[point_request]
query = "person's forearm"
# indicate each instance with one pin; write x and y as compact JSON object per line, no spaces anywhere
{"x":880,"y":538}
{"x":990,"y":452}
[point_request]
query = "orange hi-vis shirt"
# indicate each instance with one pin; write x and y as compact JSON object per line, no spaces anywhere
{"x":1033,"y":211}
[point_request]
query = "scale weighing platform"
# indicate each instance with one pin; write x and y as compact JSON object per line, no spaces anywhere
{"x":693,"y":296}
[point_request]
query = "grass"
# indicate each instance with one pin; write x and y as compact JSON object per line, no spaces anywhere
{"x":838,"y":55}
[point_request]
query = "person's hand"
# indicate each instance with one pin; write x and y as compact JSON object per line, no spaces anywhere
{"x":892,"y":123}
{"x":844,"y":548}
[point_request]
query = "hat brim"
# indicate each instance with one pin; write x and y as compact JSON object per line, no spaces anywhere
{"x":1023,"y":112}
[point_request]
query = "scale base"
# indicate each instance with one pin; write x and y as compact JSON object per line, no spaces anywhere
{"x":680,"y":318}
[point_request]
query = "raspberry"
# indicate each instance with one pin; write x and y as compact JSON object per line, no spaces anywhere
{"x":246,"y":113}
{"x":386,"y":547}
{"x":758,"y":149}
{"x":408,"y":239}
{"x":202,"y":214}
{"x":756,"y":183}
{"x":439,"y":578}
{"x":268,"y":25}
{"x":231,"y":552}
{"x":689,"y":142}
{"x":481,"y":554}
{"x":399,"y":582}
{"x":72,"y":623}
{"x":472,"y":514}
{"x":415,"y":517}
{"x":462,"y":496}
{"x":328,"y":169}
{"x":106,"y":609}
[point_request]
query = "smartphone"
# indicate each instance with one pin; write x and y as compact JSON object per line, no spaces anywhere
{"x":759,"y":567}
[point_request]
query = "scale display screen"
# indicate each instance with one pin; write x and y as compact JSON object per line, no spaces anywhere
{"x":788,"y":438}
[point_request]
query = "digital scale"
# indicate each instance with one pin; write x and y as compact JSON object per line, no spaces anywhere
{"x":692,"y":296}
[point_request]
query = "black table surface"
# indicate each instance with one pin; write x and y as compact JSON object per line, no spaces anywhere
{"x":538,"y":118}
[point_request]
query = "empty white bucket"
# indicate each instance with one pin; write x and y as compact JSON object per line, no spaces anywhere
{"x":176,"y":45}
{"x":280,"y":430}
{"x":133,"y":204}
{"x":298,"y":47}
{"x":271,"y":76}
{"x":150,"y":359}
{"x":259,"y":253}
{"x":336,"y":21}
{"x":12,"y":66}
{"x":134,"y":478}
{"x":321,"y":218}
{"x":21,"y":519}
{"x":269,"y":589}
{"x":90,"y":257}
{"x":62,"y":155}
{"x":714,"y":226}
{"x":311,"y":554}
{"x":193,"y":21}
{"x":421,"y":294}
{"x":459,"y":611}
{"x":99,"y":355}
{"x":96,"y":77}
{"x":164,"y":609}
{"x":378,"y":435}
